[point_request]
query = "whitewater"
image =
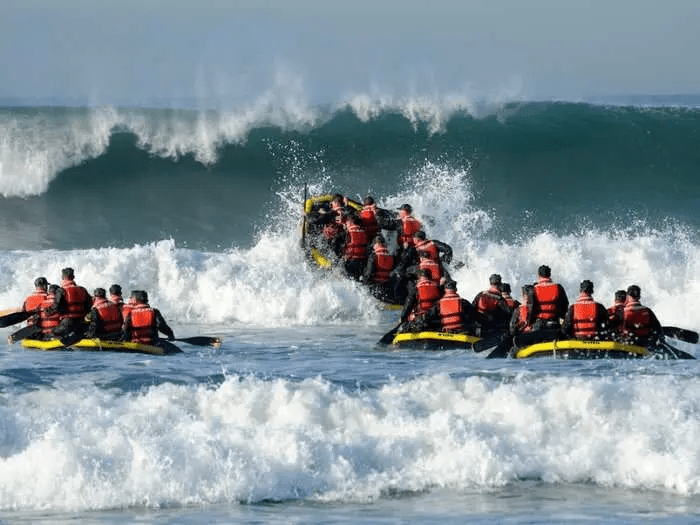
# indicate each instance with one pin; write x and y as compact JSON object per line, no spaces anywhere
{"x":300,"y":416}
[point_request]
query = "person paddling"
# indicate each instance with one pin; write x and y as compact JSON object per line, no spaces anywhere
{"x":142,"y":323}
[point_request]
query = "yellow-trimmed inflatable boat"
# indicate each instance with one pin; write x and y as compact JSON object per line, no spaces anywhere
{"x":581,"y":349}
{"x":163,"y":348}
{"x":435,"y":340}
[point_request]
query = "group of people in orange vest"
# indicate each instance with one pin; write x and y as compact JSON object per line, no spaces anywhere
{"x":355,"y":238}
{"x":544,"y":311}
{"x":69,"y":311}
{"x":416,"y":277}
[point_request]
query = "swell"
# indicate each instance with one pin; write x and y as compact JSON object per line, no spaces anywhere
{"x":210,"y":179}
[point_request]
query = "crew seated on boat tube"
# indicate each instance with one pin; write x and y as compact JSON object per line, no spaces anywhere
{"x":55,"y":310}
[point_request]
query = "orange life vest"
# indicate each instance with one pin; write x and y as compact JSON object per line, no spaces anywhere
{"x":356,"y":247}
{"x":409,"y":226}
{"x":48,"y":321}
{"x":637,"y":320}
{"x":143,"y":324}
{"x":428,"y":246}
{"x":383,"y":264}
{"x":428,"y":293}
{"x":368,"y":215}
{"x":489,"y":301}
{"x":547,"y":299}
{"x":433,"y":267}
{"x":76,"y":298}
{"x":450,"y":307}
{"x":524,"y":325}
{"x":583,"y":317}
{"x":110,"y":315}
{"x":34,"y":302}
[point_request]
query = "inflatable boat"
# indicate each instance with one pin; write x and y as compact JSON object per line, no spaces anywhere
{"x":162,"y":348}
{"x":435,"y":340}
{"x":581,"y":349}
{"x":317,"y":250}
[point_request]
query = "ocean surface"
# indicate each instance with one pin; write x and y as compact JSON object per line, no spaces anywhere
{"x":300,"y":417}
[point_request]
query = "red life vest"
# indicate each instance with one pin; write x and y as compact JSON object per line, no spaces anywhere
{"x":76,"y":298}
{"x":512,"y":303}
{"x":615,"y":315}
{"x":428,"y":293}
{"x":110,"y":315}
{"x":429,"y":247}
{"x":48,"y":321}
{"x":409,"y":226}
{"x":34,"y":302}
{"x":368,"y":215}
{"x":450,"y":307}
{"x":490,"y":300}
{"x":637,"y":320}
{"x":383,"y":264}
{"x":547,"y":299}
{"x":356,"y":246}
{"x":433,"y":268}
{"x":524,"y":325}
{"x":583,"y":317}
{"x":143,"y":324}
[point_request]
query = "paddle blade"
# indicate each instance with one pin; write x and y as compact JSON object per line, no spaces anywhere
{"x":14,"y":318}
{"x":388,"y":337}
{"x":687,"y":336}
{"x":202,"y":340}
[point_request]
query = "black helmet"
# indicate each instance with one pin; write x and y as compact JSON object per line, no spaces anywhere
{"x":53,"y":288}
{"x":41,"y":282}
{"x":407,"y":207}
{"x":140,"y":295}
{"x":495,"y":279}
{"x":67,"y":273}
{"x":451,"y":285}
{"x":99,"y":292}
{"x":634,"y":291}
{"x":420,"y":234}
{"x":115,"y":289}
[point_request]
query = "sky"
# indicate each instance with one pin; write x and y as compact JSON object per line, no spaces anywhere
{"x":229,"y":53}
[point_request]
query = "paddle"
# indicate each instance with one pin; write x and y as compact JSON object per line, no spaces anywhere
{"x":388,"y":337}
{"x":676,"y":353}
{"x":303,"y":225}
{"x":14,"y":318}
{"x":687,"y":336}
{"x":488,"y":340}
{"x":28,"y":332}
{"x":502,"y":349}
{"x":201,"y":340}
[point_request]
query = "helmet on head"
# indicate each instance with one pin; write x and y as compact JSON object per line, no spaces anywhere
{"x":451,"y":285}
{"x":115,"y":289}
{"x":368,"y":200}
{"x":420,"y":234}
{"x":621,"y":295}
{"x":407,"y":208}
{"x":505,"y":287}
{"x":67,"y":273}
{"x":495,"y":279}
{"x":99,"y":292}
{"x":53,"y":288}
{"x":41,"y":282}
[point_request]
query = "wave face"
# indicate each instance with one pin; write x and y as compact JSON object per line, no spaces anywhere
{"x":97,"y":177}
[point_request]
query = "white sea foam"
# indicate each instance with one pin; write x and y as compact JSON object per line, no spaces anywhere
{"x":76,"y":447}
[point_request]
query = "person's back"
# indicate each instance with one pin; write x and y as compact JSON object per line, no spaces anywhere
{"x":510,"y":301}
{"x":34,"y":301}
{"x":491,"y":305}
{"x":105,"y":317}
{"x":639,"y":325}
{"x":586,"y":318}
{"x":368,"y":217}
{"x":142,"y":323}
{"x":616,"y":313}
{"x":73,"y":303}
{"x":550,"y":301}
{"x":521,"y":321}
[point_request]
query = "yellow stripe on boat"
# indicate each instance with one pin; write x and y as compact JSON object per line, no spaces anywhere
{"x":95,"y":344}
{"x":437,"y":337}
{"x":552,"y":348}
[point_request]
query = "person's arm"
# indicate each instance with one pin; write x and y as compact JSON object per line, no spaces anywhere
{"x":369,"y":268}
{"x":513,"y":328}
{"x":446,"y":251}
{"x":163,"y":326}
{"x":410,"y":302}
{"x":563,"y":299}
{"x":567,"y":327}
{"x":92,"y":318}
{"x":126,"y":328}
